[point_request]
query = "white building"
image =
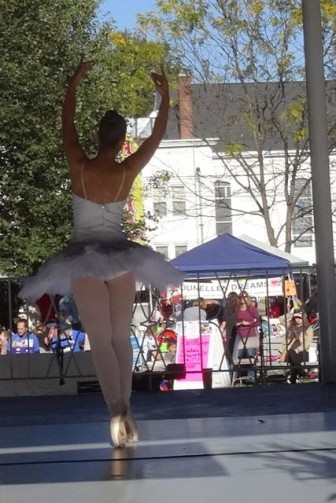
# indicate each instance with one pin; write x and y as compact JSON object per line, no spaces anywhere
{"x":189,"y":205}
{"x":205,"y":194}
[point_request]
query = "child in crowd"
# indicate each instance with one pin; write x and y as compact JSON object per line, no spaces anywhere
{"x":4,"y":341}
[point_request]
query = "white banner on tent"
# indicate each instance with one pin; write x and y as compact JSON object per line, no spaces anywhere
{"x":214,"y":289}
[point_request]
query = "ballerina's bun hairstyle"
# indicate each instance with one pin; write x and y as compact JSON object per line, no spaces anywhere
{"x":112,"y":128}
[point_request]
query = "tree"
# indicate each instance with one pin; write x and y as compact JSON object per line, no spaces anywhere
{"x":256,"y":44}
{"x":41,"y":44}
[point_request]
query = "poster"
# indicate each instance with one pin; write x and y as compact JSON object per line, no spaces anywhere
{"x":200,"y":347}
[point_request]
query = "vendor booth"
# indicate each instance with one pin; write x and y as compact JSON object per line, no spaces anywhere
{"x":232,"y":263}
{"x":227,"y":255}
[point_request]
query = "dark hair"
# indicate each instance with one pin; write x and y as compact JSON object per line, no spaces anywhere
{"x":301,"y":315}
{"x":233,"y":302}
{"x":22,"y":320}
{"x":112,"y":128}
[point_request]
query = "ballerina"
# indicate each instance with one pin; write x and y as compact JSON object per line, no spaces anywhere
{"x":100,"y":265}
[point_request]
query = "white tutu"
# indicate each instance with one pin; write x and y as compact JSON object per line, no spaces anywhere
{"x":102,"y":259}
{"x":99,"y":248}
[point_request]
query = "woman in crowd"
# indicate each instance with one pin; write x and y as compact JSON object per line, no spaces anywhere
{"x":295,"y":349}
{"x":100,"y":266}
{"x":247,"y":339}
{"x":228,"y":323}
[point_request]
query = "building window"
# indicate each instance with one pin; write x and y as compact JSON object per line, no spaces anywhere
{"x":179,"y":249}
{"x":159,"y":202}
{"x":223,"y":210}
{"x":303,"y":219}
{"x":163,"y":249}
{"x":178,"y":200}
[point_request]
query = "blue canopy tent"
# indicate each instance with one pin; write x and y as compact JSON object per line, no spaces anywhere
{"x":226,"y":255}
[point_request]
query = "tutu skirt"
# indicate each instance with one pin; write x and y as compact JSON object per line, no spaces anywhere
{"x":103,"y":259}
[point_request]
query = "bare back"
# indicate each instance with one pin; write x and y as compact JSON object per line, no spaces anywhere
{"x":102,"y":181}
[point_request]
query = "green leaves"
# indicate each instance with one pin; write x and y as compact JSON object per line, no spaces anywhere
{"x":41,"y":45}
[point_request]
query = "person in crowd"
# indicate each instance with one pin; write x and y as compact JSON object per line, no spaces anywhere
{"x":295,"y":349}
{"x":30,"y":311}
{"x":169,"y":358}
{"x":170,"y":355}
{"x":293,"y":306}
{"x":4,"y":341}
{"x":247,"y":339}
{"x":166,"y":309}
{"x":214,"y":310}
{"x":176,"y":301}
{"x":67,"y":311}
{"x":69,"y":339}
{"x":48,"y":338}
{"x":149,"y":346}
{"x":100,"y":265}
{"x":41,"y":332}
{"x":23,"y":341}
{"x":228,"y":323}
{"x":196,"y":311}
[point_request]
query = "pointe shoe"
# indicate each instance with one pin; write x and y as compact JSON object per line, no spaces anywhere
{"x":131,"y":429}
{"x":118,"y":431}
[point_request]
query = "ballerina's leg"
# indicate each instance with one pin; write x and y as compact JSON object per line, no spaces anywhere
{"x":93,"y":303}
{"x":105,"y":309}
{"x":122,"y":293}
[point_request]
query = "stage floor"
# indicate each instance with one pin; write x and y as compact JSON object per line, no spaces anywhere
{"x":254,"y":445}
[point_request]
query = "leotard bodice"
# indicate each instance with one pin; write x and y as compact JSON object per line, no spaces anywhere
{"x":93,"y":221}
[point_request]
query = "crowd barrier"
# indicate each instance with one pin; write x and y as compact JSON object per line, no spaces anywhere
{"x":202,"y":358}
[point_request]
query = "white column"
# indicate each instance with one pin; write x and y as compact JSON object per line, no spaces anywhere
{"x":319,"y":154}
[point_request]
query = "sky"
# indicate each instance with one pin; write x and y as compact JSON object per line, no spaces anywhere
{"x":124,"y":11}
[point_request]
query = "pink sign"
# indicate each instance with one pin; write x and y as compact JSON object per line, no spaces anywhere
{"x":193,"y":352}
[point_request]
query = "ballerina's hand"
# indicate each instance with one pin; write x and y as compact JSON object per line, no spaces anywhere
{"x":160,"y":82}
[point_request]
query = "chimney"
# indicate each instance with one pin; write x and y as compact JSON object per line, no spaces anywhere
{"x":185,"y":106}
